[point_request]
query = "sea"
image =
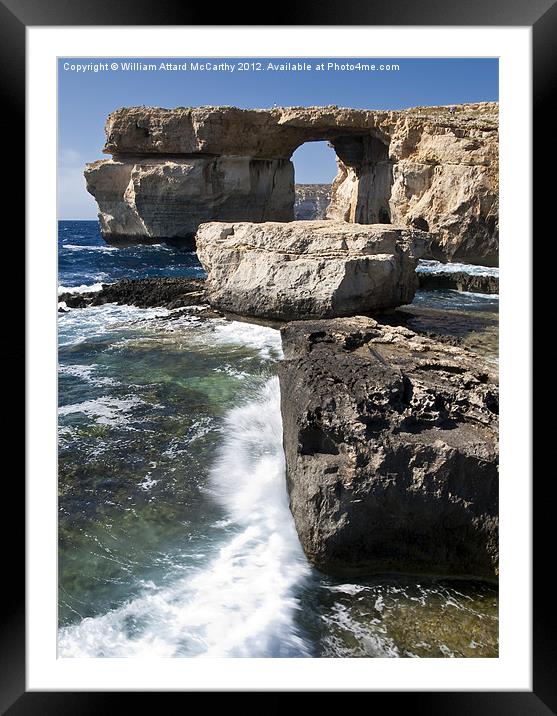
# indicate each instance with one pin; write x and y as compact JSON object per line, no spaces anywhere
{"x":175,"y":537}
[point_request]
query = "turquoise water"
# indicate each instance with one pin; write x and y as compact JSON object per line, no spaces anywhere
{"x":175,"y":537}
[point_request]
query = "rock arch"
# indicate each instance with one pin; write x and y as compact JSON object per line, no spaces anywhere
{"x":172,"y":170}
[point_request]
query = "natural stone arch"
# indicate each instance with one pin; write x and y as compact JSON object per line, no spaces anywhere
{"x":362,"y":187}
{"x":366,"y":170}
{"x":172,"y":170}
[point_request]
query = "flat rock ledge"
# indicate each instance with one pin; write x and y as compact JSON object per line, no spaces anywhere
{"x":308,"y":269}
{"x":391,"y":444}
{"x":153,"y":292}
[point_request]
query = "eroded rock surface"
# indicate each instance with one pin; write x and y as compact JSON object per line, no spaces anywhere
{"x":391,"y":449}
{"x":306,"y":269}
{"x":426,"y":167}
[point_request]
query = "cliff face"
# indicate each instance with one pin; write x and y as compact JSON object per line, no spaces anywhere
{"x":158,"y":199}
{"x":311,"y":201}
{"x":429,"y":168}
{"x":439,"y":174}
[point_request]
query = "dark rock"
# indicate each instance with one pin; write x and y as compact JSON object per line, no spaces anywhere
{"x":144,"y":293}
{"x":391,"y":449}
{"x":74,"y":300}
{"x":420,"y":223}
{"x":203,"y":312}
{"x":458,"y":280}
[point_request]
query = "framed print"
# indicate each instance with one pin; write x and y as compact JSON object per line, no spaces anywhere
{"x":271,"y":394}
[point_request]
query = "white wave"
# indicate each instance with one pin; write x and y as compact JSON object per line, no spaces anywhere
{"x":349,"y":636}
{"x":430,"y":266}
{"x":225,"y":332}
{"x":87,"y":373}
{"x":105,"y":410}
{"x":232,"y":372}
{"x":347,"y":588}
{"x":77,"y":247}
{"x":482,"y":296}
{"x":85,"y":323}
{"x":84,"y":288}
{"x":199,"y":428}
{"x":146,"y":484}
{"x":262,"y":338}
{"x":82,"y":324}
{"x":243,"y":604}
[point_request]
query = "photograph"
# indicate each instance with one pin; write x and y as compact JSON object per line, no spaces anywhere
{"x":278,"y":357}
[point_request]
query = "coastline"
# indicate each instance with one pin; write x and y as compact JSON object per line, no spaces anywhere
{"x":338,"y":597}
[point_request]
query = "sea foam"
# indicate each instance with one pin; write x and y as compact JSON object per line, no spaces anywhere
{"x":430,"y":266}
{"x":244,"y":602}
{"x":84,"y":288}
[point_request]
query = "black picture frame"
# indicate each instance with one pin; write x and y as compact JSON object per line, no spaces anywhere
{"x":541,"y":16}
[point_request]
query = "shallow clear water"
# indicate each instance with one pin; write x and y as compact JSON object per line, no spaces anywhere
{"x":473,"y":318}
{"x":175,"y":537}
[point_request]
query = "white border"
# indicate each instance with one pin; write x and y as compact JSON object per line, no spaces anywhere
{"x":512,"y":670}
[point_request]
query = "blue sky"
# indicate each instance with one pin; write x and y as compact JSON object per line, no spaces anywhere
{"x":86,"y":98}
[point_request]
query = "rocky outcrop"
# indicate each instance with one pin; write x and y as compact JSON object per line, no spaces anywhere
{"x":429,"y":168}
{"x":312,"y":201}
{"x":143,"y":293}
{"x":459,"y":281}
{"x":391,"y":449}
{"x":154,"y":199}
{"x":439,"y":173}
{"x":307,"y":269}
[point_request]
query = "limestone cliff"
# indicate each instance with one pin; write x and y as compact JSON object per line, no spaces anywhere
{"x":312,"y":201}
{"x":428,"y":167}
{"x":161,"y":199}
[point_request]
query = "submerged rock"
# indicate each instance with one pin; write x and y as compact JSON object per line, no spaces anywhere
{"x":143,"y":292}
{"x":307,"y":269}
{"x":459,"y":281}
{"x":391,"y":449}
